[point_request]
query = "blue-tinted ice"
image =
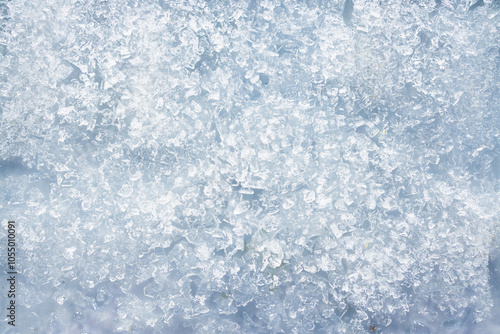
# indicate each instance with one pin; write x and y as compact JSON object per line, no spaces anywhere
{"x":252,"y":166}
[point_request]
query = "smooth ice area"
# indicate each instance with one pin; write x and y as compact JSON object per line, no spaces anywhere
{"x":252,"y":166}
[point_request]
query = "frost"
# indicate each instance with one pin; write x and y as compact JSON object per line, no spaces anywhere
{"x":254,"y":167}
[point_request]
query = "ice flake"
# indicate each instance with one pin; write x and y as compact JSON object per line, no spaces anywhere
{"x":242,"y":207}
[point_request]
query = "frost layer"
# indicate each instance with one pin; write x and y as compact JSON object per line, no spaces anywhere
{"x":263,"y":166}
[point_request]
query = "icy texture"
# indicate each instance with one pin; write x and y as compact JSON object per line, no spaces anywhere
{"x":258,"y":167}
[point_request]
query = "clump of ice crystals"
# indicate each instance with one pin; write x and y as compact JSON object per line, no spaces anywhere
{"x":256,"y":166}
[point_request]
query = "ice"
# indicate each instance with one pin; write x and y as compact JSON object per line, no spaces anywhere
{"x":255,"y":167}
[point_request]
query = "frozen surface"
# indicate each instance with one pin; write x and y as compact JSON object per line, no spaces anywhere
{"x":252,"y":167}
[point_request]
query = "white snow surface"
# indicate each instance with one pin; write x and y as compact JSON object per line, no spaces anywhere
{"x":253,"y":166}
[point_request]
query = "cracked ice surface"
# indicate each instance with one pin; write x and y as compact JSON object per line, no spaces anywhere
{"x":262,"y":166}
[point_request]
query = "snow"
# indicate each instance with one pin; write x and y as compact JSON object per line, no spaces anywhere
{"x":252,"y":167}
